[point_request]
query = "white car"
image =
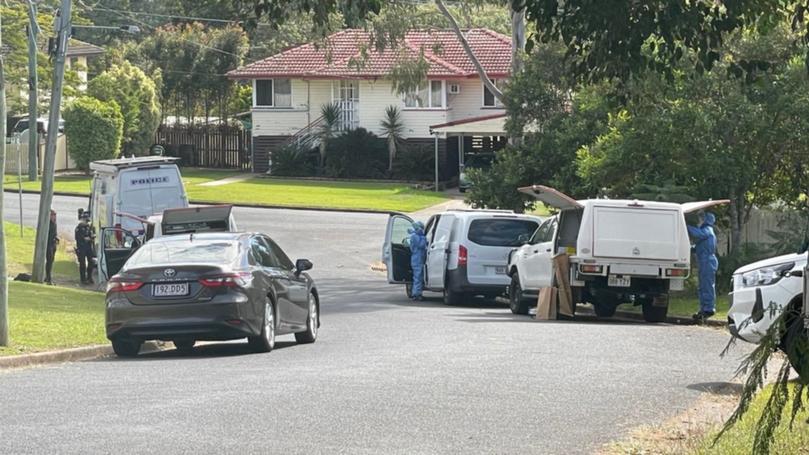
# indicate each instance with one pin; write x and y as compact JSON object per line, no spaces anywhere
{"x":762,"y":291}
{"x":467,"y":251}
{"x":620,"y":251}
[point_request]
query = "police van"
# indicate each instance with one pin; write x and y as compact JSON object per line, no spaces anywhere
{"x":142,"y":186}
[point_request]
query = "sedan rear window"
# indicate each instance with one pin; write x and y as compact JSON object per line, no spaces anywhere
{"x":193,"y":252}
{"x":501,"y":232}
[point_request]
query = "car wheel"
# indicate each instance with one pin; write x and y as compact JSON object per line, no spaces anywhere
{"x":126,"y":347}
{"x":265,"y":342}
{"x":795,"y":341}
{"x":451,"y":297}
{"x":312,"y":323}
{"x":409,"y":290}
{"x":605,"y":309}
{"x":185,"y":344}
{"x":516,"y":301}
{"x":652,"y":313}
{"x":462,"y":190}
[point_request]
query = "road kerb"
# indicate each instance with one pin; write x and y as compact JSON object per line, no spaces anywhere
{"x":66,"y":355}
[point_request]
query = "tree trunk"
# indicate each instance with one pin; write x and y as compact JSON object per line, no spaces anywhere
{"x":391,"y":152}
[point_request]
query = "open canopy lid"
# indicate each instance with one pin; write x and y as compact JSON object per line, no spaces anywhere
{"x":551,"y":197}
{"x":691,"y":207}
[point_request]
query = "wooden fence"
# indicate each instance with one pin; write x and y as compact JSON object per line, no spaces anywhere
{"x":213,"y":146}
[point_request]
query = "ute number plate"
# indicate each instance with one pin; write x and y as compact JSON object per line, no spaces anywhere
{"x":169,"y":289}
{"x":619,"y":281}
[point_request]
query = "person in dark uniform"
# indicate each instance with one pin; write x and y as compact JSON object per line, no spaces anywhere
{"x":50,"y":251}
{"x":84,"y":249}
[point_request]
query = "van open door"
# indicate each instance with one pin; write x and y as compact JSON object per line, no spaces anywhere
{"x":117,"y":245}
{"x":215,"y":218}
{"x":551,"y":197}
{"x":691,"y":207}
{"x":396,"y":251}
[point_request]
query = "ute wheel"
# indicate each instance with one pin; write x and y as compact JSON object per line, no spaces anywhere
{"x":126,"y":347}
{"x":516,"y":302}
{"x":312,"y":323}
{"x":605,"y":309}
{"x":462,"y":190}
{"x":652,"y":313}
{"x":184,"y":345}
{"x":265,"y":341}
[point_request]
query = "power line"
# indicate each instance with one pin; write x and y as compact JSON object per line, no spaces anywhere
{"x":167,"y":16}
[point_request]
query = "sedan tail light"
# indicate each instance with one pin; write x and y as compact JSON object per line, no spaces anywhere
{"x":117,"y":284}
{"x":228,"y":280}
{"x":463,"y":255}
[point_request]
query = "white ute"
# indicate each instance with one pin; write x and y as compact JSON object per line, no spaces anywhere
{"x":620,"y":251}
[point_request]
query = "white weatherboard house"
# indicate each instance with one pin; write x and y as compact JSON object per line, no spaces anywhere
{"x":453,"y":106}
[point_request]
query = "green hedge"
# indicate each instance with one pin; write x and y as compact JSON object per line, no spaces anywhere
{"x":94,"y":130}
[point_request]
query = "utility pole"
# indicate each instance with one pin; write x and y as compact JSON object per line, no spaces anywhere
{"x":46,"y":194}
{"x":3,"y":272}
{"x":33,"y":82}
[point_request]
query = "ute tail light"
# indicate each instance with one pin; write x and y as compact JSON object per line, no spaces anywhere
{"x":589,"y":268}
{"x":117,"y":284}
{"x":463,"y":255}
{"x":228,"y":280}
{"x":678,"y":273}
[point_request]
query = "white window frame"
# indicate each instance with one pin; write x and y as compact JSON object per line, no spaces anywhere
{"x":273,"y":106}
{"x":497,"y":103}
{"x":429,"y":98}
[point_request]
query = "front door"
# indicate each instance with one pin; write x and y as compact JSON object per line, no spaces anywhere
{"x":438,"y":252}
{"x":347,"y":96}
{"x":395,"y":250}
{"x":117,"y":245}
{"x":538,"y":262}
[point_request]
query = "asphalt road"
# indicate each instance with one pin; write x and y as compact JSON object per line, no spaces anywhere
{"x":386,"y":375}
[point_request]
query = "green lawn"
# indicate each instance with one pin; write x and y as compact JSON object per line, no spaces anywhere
{"x":278,"y":192}
{"x":20,"y":255}
{"x":45,"y":317}
{"x":739,"y":440}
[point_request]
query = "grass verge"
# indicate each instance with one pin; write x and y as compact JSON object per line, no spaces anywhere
{"x":683,"y":306}
{"x":739,"y":440}
{"x":20,"y":254}
{"x":43,"y":318}
{"x":277,"y":192}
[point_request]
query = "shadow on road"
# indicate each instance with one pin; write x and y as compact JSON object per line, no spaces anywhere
{"x":208,"y":350}
{"x":718,"y":388}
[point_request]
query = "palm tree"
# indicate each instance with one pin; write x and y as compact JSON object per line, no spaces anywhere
{"x":392,"y":129}
{"x":330,"y":120}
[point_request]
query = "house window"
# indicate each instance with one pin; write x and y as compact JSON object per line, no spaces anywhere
{"x":272,"y":93}
{"x":428,"y":96}
{"x":489,"y":100}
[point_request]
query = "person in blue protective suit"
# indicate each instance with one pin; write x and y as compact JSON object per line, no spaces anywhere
{"x":418,"y":252}
{"x":705,"y":249}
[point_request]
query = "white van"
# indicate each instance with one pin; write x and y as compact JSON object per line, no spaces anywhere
{"x":467,"y":251}
{"x":620,"y":251}
{"x":141,"y":186}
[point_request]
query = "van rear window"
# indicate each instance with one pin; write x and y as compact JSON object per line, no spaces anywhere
{"x":501,"y":232}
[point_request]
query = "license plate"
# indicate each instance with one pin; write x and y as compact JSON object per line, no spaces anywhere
{"x":500,"y":270}
{"x":619,"y":281}
{"x":169,"y":289}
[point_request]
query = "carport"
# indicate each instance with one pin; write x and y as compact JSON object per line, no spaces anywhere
{"x":482,"y":133}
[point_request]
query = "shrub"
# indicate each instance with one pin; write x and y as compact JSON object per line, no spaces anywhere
{"x":94,"y":130}
{"x":292,"y":161}
{"x":136,"y":94}
{"x":357,"y":154}
{"x":414,"y":162}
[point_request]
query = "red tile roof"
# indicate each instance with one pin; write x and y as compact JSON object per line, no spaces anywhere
{"x":341,"y":56}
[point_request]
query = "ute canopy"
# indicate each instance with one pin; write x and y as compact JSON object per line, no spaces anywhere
{"x":691,"y":207}
{"x":196,"y":219}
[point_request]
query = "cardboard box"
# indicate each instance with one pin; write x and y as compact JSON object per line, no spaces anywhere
{"x":561,"y":266}
{"x":546,"y":304}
